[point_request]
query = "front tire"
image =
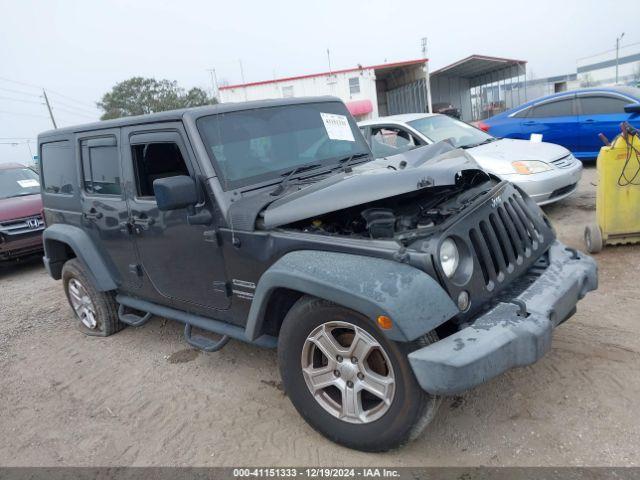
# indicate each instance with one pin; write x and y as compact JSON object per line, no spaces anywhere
{"x":96,"y":312}
{"x":349,"y":381}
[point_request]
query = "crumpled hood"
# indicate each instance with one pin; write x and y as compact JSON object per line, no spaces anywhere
{"x":431,"y":166}
{"x":496,"y":157}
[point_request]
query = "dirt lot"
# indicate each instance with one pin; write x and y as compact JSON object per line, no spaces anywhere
{"x":141,"y":397}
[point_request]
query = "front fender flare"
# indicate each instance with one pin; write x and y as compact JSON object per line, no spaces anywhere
{"x":372,"y":286}
{"x":84,"y":249}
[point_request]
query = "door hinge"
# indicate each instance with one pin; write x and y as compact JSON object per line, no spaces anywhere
{"x":223,"y":287}
{"x":135,"y":269}
{"x":212,"y":236}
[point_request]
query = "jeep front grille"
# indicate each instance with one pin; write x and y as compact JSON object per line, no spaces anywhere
{"x":504,"y":239}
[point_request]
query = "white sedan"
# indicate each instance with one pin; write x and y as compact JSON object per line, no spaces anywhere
{"x":547,"y":172}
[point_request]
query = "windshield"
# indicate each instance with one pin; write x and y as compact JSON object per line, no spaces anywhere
{"x":442,"y":127}
{"x":250,"y":146}
{"x":16,"y":182}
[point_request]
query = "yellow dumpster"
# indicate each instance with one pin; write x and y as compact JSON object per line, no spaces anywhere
{"x":618,"y":193}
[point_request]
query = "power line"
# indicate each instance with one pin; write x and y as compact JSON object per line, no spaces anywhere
{"x":20,"y":100}
{"x":24,"y":114}
{"x":59,"y":109}
{"x":81,"y":102}
{"x":86,"y":110}
{"x":19,"y":92}
{"x":31,"y":85}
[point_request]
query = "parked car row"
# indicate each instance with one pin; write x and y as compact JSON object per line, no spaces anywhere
{"x":21,"y":222}
{"x":547,"y":172}
{"x":572,"y":119}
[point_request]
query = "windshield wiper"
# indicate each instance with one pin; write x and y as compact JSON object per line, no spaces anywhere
{"x":282,"y":186}
{"x":22,"y":195}
{"x":484,"y":142}
{"x":345,"y":163}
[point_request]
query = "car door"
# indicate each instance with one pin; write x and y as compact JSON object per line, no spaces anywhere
{"x":599,"y":113}
{"x":556,"y":120}
{"x":104,"y":207}
{"x":181,"y":265}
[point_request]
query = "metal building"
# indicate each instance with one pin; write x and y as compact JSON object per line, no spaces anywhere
{"x":478,"y":86}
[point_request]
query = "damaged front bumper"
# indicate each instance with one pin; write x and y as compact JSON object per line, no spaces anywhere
{"x":510,"y":334}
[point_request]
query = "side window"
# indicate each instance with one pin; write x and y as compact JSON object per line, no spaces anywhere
{"x":523,"y":113}
{"x":101,"y":166}
{"x":386,"y":141}
{"x":152,"y":161}
{"x":602,"y":104}
{"x":58,"y":167}
{"x":354,"y":85}
{"x":559,"y":108}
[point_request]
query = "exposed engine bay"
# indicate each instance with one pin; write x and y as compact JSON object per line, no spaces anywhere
{"x":419,"y":211}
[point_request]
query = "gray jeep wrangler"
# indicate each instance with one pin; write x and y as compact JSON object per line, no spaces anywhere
{"x":384,"y":284}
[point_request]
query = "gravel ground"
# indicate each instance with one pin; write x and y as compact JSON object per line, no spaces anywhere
{"x":141,"y":397}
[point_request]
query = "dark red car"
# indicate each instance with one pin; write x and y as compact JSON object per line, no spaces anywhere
{"x":21,"y":222}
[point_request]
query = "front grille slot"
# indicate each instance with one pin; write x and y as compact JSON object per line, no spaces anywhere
{"x":563,"y":162}
{"x":504,"y":238}
{"x":481,"y":253}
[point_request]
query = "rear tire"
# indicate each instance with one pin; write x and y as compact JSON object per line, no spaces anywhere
{"x":367,"y":361}
{"x":593,"y":238}
{"x":96,"y":312}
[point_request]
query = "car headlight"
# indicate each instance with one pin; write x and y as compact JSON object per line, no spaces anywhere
{"x":449,"y":257}
{"x":529,"y":167}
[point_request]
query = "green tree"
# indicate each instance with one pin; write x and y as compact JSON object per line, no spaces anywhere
{"x":138,"y":95}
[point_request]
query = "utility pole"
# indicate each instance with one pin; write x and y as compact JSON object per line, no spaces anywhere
{"x":329,"y":60}
{"x":426,"y":74}
{"x":617,"y":53}
{"x":242,"y":76}
{"x":46,"y":99}
{"x":215,"y":91}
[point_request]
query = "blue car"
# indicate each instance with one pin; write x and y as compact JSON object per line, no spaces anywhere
{"x":572,"y":119}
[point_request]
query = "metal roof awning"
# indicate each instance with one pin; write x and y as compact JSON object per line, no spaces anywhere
{"x":477,"y":65}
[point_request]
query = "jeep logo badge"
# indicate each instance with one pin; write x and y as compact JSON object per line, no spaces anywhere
{"x":33,"y":223}
{"x":496,"y":201}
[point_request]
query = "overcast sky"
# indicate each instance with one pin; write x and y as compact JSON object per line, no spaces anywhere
{"x":77,"y":50}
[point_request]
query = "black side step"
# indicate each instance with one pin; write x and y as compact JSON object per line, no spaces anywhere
{"x":203,"y":343}
{"x":132,"y":319}
{"x":205,"y":323}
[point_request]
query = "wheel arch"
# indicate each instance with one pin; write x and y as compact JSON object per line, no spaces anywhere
{"x":63,"y":242}
{"x":371,"y":286}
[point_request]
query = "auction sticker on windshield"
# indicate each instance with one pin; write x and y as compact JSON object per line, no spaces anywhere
{"x":337,"y":127}
{"x":28,"y":183}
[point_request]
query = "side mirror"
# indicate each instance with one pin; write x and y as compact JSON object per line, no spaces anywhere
{"x":632,"y":108}
{"x":173,"y":193}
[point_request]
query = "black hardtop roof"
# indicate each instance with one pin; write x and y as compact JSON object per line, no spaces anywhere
{"x":194,"y":112}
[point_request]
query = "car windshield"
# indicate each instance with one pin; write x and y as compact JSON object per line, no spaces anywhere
{"x":250,"y":146}
{"x":17,"y":182}
{"x":442,"y":127}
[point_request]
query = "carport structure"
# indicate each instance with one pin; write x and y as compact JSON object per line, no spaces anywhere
{"x":480,"y":86}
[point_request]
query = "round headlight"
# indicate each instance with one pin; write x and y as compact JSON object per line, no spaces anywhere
{"x":449,"y":257}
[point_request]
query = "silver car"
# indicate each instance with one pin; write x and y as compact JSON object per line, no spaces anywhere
{"x":547,"y":172}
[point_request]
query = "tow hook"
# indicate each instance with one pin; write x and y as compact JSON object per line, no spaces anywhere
{"x":573,"y":252}
{"x":522,"y":312}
